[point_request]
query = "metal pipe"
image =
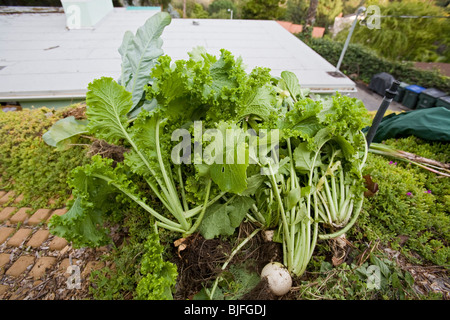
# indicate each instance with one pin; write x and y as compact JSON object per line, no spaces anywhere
{"x":388,"y":96}
{"x":347,"y":41}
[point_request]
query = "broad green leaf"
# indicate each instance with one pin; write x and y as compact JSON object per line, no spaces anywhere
{"x":148,"y":105}
{"x":308,"y":127}
{"x":238,"y":208}
{"x":216,"y":222}
{"x":293,"y":198}
{"x":303,"y":158}
{"x":322,"y":136}
{"x":223,"y":219}
{"x":347,"y":149}
{"x":221,"y":72}
{"x":253,"y":184}
{"x":231,"y":174}
{"x":230,"y":177}
{"x":140,"y":53}
{"x":107,"y":106}
{"x":62,"y":132}
{"x":126,"y":67}
{"x":380,"y":264}
{"x":292,"y":84}
{"x":258,"y":102}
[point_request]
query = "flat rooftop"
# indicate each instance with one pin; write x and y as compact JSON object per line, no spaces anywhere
{"x":40,"y":59}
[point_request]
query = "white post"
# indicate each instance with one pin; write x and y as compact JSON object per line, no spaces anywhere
{"x":231,"y":16}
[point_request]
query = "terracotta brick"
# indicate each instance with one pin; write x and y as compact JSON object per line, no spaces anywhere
{"x":91,"y":266}
{"x":19,"y":237}
{"x":39,"y":216}
{"x":20,"y":266}
{"x":38,"y":238}
{"x":57,"y":243}
{"x":3,"y":289}
{"x":58,"y":212}
{"x":19,"y":198}
{"x":6,"y":213}
{"x":7,"y":197}
{"x":4,"y":259}
{"x":65,"y":264}
{"x":21,"y":215}
{"x":41,"y":266}
{"x":5,"y":232}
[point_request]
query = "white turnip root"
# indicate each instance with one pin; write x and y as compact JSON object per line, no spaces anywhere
{"x":278,"y":278}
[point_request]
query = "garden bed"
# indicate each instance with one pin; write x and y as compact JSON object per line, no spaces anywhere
{"x":344,"y":222}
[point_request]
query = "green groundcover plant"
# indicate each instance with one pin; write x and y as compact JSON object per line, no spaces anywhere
{"x":31,"y":167}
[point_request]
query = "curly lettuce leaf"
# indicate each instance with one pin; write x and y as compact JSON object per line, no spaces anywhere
{"x":159,"y":276}
{"x":94,"y":187}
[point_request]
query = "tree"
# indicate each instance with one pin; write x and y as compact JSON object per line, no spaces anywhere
{"x":413,"y":39}
{"x":218,"y":5}
{"x":263,"y":9}
{"x":296,"y":11}
{"x":312,"y":12}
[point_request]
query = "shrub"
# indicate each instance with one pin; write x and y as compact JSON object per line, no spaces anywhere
{"x":28,"y":165}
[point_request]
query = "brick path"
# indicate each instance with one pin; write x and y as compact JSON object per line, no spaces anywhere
{"x":33,"y":262}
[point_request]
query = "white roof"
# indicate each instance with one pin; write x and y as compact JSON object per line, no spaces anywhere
{"x":41,"y":59}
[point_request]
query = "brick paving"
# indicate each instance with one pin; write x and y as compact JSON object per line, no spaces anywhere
{"x":34,"y":262}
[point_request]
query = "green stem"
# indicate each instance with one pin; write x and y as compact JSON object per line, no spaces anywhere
{"x":169,"y":183}
{"x":342,"y":186}
{"x":183,"y":194}
{"x":348,"y":226}
{"x":193,"y":212}
{"x":316,"y":227}
{"x":205,"y":205}
{"x":280,"y":205}
{"x":330,"y":200}
{"x":324,"y":204}
{"x":233,"y":253}
{"x":139,"y":201}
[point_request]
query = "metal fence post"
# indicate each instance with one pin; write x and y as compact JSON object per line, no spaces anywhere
{"x":347,"y":41}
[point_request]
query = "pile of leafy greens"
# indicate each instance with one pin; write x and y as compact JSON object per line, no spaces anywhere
{"x":305,"y":183}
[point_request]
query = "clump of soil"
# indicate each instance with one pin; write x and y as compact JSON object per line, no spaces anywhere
{"x":200,"y":260}
{"x":78,"y":112}
{"x":260,"y":292}
{"x":107,"y":150}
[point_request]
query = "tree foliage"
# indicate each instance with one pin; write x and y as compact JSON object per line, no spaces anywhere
{"x":263,"y":9}
{"x":412,"y":39}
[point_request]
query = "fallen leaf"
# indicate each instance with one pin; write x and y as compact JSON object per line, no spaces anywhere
{"x":371,"y":186}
